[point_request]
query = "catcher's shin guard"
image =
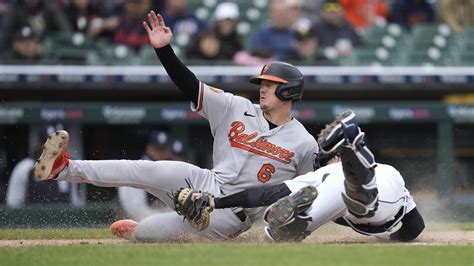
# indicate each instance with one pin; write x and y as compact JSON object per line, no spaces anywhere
{"x":358,"y":163}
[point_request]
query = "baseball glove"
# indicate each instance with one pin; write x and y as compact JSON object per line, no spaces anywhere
{"x":198,"y":211}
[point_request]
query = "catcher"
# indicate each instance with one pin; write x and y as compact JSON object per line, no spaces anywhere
{"x":351,"y":190}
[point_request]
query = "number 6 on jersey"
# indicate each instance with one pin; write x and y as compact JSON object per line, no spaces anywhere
{"x":265,"y":172}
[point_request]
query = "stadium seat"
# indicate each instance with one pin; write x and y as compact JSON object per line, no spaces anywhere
{"x":370,"y":56}
{"x":147,"y":56}
{"x":112,"y":55}
{"x":387,"y":36}
{"x":374,"y":33}
{"x":429,"y":30}
{"x":431,"y":56}
{"x":464,"y":59}
{"x":68,"y":47}
{"x":427,"y":44}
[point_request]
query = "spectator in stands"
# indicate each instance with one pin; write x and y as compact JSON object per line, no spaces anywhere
{"x":42,"y":16}
{"x":23,"y":188}
{"x":256,"y":57}
{"x":115,"y":7}
{"x":276,"y":37}
{"x":26,"y":48}
{"x":306,"y":45}
{"x":130,"y":31}
{"x":225,"y":27}
{"x":408,"y":13}
{"x":112,"y":7}
{"x":136,"y":202}
{"x":334,"y":30}
{"x":182,"y":21}
{"x":206,"y":46}
{"x":295,"y":9}
{"x":3,"y":10}
{"x":458,"y":14}
{"x":312,"y":9}
{"x":223,"y":41}
{"x":85,"y":17}
{"x":364,"y":13}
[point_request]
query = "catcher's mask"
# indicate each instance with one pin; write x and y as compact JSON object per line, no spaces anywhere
{"x":291,"y":79}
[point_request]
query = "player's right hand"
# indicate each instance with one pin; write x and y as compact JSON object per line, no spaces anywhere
{"x":159,"y":34}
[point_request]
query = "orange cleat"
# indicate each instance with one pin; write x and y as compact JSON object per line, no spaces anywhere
{"x":54,"y":157}
{"x":123,"y":229}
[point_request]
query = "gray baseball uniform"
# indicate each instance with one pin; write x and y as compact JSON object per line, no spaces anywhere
{"x":246,"y":153}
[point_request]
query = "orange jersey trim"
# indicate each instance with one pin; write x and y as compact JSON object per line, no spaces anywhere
{"x":201,"y":97}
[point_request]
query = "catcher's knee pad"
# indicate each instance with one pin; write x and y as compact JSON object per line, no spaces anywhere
{"x":358,"y":163}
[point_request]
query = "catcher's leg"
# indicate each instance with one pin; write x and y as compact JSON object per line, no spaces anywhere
{"x":287,"y":218}
{"x":285,"y":210}
{"x":358,"y":163}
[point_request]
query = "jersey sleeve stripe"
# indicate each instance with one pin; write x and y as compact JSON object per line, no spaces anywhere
{"x":201,"y":96}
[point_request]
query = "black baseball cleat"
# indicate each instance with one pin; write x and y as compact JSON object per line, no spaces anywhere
{"x":286,"y":209}
{"x":334,"y":134}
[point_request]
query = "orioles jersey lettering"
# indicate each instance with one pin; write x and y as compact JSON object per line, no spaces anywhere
{"x":260,"y":146}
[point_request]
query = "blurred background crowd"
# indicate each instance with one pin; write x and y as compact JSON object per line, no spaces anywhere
{"x":245,"y":32}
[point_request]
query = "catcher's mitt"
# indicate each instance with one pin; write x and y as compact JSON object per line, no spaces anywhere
{"x":197,"y":211}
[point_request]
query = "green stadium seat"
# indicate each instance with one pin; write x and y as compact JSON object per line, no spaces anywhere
{"x":463,"y":42}
{"x":112,"y":55}
{"x":464,"y":59}
{"x":370,"y":56}
{"x":428,"y":30}
{"x":68,"y":47}
{"x":432,"y":56}
{"x":374,"y":33}
{"x":468,"y":32}
{"x":423,"y":31}
{"x":147,"y":56}
{"x":387,"y":36}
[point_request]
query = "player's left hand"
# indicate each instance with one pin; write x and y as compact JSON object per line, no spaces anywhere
{"x":194,"y":206}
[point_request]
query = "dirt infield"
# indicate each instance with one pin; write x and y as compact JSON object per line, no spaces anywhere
{"x":326,"y":235}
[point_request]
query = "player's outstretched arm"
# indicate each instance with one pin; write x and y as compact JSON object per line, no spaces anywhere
{"x":160,"y":37}
{"x":412,"y":226}
{"x":252,"y":197}
{"x":197,"y":206}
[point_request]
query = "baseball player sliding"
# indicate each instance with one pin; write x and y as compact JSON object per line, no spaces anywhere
{"x":254,"y":145}
{"x":351,"y":190}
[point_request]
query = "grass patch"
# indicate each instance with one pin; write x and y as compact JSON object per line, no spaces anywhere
{"x":238,"y":254}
